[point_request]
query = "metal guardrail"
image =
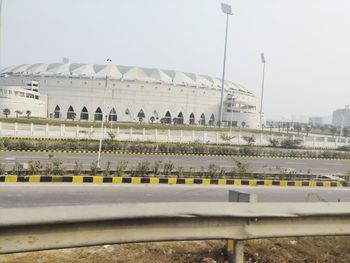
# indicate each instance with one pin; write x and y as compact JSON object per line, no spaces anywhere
{"x":40,"y":228}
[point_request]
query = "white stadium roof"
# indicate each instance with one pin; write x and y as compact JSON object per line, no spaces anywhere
{"x":121,"y":72}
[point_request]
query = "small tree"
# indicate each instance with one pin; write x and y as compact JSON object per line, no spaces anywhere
{"x":28,"y":113}
{"x":6,"y":112}
{"x":274,"y":142}
{"x":297,"y":127}
{"x":226,"y":138}
{"x":249,"y":139}
{"x":240,"y":167}
{"x":308,"y":130}
{"x":18,"y":112}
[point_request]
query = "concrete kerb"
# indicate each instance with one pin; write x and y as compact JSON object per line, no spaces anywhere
{"x":160,"y":180}
{"x":174,"y":154}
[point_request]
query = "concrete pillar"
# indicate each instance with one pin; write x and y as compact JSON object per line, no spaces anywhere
{"x":46,"y":130}
{"x":282,"y":137}
{"x":16,"y":129}
{"x":325,"y":142}
{"x":117,"y":136}
{"x":239,"y":138}
{"x":192,"y":135}
{"x":304,"y":140}
{"x":91,"y":131}
{"x":293,"y":137}
{"x":63,"y":130}
{"x":0,"y":128}
{"x":168,"y":136}
{"x":31,"y":129}
{"x":261,"y":139}
{"x":314,"y":142}
{"x":156,"y":134}
{"x":181,"y":135}
{"x":77,"y":131}
{"x":130,"y":134}
{"x":204,"y":136}
{"x":217,"y":138}
{"x":336,"y":142}
{"x":143,"y":134}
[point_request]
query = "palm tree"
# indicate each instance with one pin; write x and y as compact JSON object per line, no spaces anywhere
{"x":6,"y":112}
{"x":18,"y":112}
{"x":28,"y":113}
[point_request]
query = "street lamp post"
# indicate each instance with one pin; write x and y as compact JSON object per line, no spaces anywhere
{"x":262,"y":88}
{"x":102,"y":121}
{"x":226,"y":9}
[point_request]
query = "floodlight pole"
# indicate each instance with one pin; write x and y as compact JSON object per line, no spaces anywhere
{"x":227,"y":12}
{"x":102,"y":121}
{"x":262,"y":89}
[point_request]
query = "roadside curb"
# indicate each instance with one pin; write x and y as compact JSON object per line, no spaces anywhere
{"x":178,"y":154}
{"x":169,"y":181}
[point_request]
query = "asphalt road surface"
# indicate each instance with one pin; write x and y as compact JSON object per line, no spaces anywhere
{"x":196,"y":162}
{"x":56,"y":194}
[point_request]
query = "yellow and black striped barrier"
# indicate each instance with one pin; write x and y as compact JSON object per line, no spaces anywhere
{"x":174,"y":154}
{"x":169,"y":181}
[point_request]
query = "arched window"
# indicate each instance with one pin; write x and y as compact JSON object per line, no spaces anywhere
{"x":141,"y":114}
{"x":57,"y":112}
{"x":180,"y":118}
{"x":192,"y":120}
{"x":70,"y":113}
{"x":212,"y":120}
{"x":202,"y":120}
{"x":98,"y":114}
{"x":84,"y":115}
{"x":167,"y":118}
{"x":112,"y":115}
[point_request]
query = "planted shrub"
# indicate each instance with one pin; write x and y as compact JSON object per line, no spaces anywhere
{"x":57,"y":167}
{"x":142,"y":169}
{"x":78,"y":167}
{"x":240,"y":168}
{"x":121,"y":168}
{"x":94,"y":167}
{"x":17,"y":169}
{"x":213,"y":170}
{"x":168,"y":168}
{"x":107,"y":170}
{"x":2,"y":168}
{"x":291,"y":144}
{"x":35,"y":167}
{"x":157,"y":166}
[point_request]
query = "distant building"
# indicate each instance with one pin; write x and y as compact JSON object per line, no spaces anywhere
{"x":341,"y":117}
{"x":316,"y":121}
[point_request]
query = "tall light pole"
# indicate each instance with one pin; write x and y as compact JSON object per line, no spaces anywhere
{"x":102,"y":121}
{"x":227,"y":10}
{"x":262,"y":88}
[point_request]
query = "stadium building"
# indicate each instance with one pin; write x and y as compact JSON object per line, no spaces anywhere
{"x":87,"y":92}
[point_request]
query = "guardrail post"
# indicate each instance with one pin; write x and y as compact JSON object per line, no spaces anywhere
{"x":77,"y":131}
{"x":235,"y":248}
{"x":46,"y":130}
{"x":16,"y":129}
{"x":31,"y":129}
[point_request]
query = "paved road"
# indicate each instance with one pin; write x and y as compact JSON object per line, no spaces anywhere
{"x":256,"y":164}
{"x":31,"y":195}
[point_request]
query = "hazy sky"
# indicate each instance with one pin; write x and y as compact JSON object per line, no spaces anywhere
{"x":306,"y":42}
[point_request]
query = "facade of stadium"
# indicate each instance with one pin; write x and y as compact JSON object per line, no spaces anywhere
{"x":121,"y":93}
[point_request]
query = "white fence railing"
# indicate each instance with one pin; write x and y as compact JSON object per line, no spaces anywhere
{"x":162,"y":135}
